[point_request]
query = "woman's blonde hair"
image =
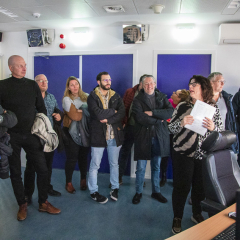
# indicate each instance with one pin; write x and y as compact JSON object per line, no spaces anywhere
{"x":67,"y":93}
{"x":184,"y":95}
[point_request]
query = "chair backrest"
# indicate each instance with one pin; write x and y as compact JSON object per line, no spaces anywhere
{"x":221,"y":173}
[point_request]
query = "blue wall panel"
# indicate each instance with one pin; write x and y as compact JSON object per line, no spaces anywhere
{"x":120,"y":68}
{"x":59,"y":68}
{"x":174,"y":72}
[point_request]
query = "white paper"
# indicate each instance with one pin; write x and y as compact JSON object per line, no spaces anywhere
{"x":199,"y":112}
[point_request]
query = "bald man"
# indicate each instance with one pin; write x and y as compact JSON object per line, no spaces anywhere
{"x":23,"y":97}
{"x":29,"y":175}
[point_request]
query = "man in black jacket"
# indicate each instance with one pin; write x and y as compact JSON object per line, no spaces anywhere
{"x":151,"y":109}
{"x":225,"y":105}
{"x":106,"y":110}
{"x":22,"y":96}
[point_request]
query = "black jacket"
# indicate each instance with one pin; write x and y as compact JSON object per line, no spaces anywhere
{"x":143,"y":125}
{"x":7,"y":120}
{"x":230,"y":123}
{"x":97,"y":113}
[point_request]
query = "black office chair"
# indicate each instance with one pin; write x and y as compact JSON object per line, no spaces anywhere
{"x":221,"y":173}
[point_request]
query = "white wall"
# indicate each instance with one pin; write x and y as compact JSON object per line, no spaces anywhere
{"x":109,"y":40}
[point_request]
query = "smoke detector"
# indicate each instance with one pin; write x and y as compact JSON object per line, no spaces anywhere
{"x":157,"y":8}
{"x":114,"y":9}
{"x":36,"y":15}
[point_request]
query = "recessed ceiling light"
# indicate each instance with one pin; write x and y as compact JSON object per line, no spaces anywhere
{"x":7,"y":12}
{"x":114,"y":9}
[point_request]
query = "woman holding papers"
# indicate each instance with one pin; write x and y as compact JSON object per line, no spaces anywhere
{"x":187,"y":153}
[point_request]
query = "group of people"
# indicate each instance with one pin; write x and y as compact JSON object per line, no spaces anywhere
{"x":92,"y":122}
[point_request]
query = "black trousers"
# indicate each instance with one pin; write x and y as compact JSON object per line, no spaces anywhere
{"x":29,"y":174}
{"x":34,"y":152}
{"x":75,"y":153}
{"x":187,"y":172}
{"x":126,"y":148}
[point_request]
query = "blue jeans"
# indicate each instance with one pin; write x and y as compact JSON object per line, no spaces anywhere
{"x":155,"y":169}
{"x":96,"y":157}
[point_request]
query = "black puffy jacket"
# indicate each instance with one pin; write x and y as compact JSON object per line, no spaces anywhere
{"x":7,"y":120}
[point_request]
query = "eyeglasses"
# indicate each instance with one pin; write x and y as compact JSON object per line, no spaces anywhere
{"x":41,"y":81}
{"x":194,"y":84}
{"x":176,"y":94}
{"x":107,"y":80}
{"x":220,"y":81}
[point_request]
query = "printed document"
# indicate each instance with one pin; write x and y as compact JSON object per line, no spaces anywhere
{"x":199,"y":112}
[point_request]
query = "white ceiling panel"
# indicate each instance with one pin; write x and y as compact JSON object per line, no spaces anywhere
{"x":143,"y":7}
{"x":128,"y":6}
{"x":203,"y":6}
{"x":6,"y":19}
{"x":53,"y":2}
{"x":46,"y":13}
{"x":72,"y":11}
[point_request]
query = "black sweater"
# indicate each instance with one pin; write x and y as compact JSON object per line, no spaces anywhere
{"x":23,"y":97}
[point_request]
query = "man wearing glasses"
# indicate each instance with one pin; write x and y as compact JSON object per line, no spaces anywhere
{"x":29,"y":175}
{"x":106,"y":110}
{"x":224,"y":102}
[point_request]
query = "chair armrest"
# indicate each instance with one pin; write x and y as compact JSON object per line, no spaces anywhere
{"x":211,"y":207}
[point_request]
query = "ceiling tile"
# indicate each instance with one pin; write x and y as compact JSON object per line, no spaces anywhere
{"x":128,"y":6}
{"x":203,"y":6}
{"x":46,"y":13}
{"x":75,"y":10}
{"x":6,"y":19}
{"x":143,"y":7}
{"x":65,"y":2}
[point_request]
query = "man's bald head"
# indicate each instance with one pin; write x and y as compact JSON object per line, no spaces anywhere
{"x":17,"y":66}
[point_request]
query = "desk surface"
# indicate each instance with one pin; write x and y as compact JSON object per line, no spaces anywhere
{"x":209,"y":228}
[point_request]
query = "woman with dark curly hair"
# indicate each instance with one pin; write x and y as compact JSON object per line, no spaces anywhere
{"x":187,"y":153}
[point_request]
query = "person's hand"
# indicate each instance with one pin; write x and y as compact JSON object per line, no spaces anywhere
{"x":187,"y":120}
{"x":57,"y":116}
{"x":124,"y":125}
{"x":79,"y":110}
{"x":104,"y":121}
{"x":208,"y":123}
{"x":149,"y":113}
{"x":115,"y":111}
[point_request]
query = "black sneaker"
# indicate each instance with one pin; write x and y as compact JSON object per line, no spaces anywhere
{"x":176,"y":226}
{"x":114,"y":194}
{"x":159,"y":197}
{"x":197,"y":218}
{"x":99,"y":198}
{"x":136,"y":198}
{"x":52,"y":192}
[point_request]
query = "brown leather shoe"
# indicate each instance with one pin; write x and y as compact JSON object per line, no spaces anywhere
{"x":22,"y":212}
{"x":49,"y":208}
{"x":69,"y":187}
{"x":83,"y":184}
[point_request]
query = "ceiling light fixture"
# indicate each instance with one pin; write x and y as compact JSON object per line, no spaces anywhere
{"x":114,"y":9}
{"x":7,"y":12}
{"x":81,"y":30}
{"x":157,"y":8}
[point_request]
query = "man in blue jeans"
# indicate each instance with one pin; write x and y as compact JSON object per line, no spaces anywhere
{"x":106,"y":110}
{"x":151,"y":109}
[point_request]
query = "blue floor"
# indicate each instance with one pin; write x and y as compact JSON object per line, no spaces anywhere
{"x":82,"y":218}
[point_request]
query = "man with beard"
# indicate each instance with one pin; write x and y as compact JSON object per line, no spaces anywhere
{"x":106,"y":110}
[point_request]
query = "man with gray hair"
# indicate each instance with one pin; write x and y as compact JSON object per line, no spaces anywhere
{"x":29,"y":175}
{"x":151,"y":109}
{"x":224,"y":102}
